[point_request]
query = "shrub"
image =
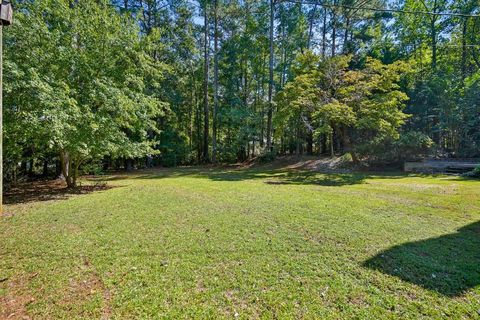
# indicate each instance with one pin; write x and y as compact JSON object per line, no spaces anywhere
{"x":413,"y":145}
{"x":410,"y":146}
{"x":169,"y":159}
{"x":267,"y":157}
{"x":475,"y":173}
{"x":94,"y":168}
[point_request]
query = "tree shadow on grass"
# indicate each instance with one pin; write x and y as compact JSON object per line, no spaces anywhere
{"x":284,"y":176}
{"x":315,"y":178}
{"x":448,"y":264}
{"x":48,"y":190}
{"x":151,"y":173}
{"x":163,"y":173}
{"x":271,"y":176}
{"x":277,"y":176}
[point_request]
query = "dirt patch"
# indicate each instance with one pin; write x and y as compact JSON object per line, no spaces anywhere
{"x":14,"y":304}
{"x":336,"y":165}
{"x":48,"y":190}
{"x":88,"y":286}
{"x":421,"y":187}
{"x":311,"y":163}
{"x":82,"y":290}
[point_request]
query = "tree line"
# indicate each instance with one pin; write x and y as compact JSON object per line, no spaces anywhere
{"x":93,"y":85}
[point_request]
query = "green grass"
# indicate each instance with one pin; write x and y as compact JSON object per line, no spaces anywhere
{"x":253,"y":243}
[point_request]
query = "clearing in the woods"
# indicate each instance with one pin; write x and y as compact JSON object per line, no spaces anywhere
{"x":263,"y":242}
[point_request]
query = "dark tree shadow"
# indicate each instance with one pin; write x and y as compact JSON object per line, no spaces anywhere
{"x":48,"y":190}
{"x":284,"y":176}
{"x":321,"y":179}
{"x":449,"y":264}
{"x":272,"y":176}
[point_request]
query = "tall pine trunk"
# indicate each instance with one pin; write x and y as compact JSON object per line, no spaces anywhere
{"x":310,"y":27}
{"x":334,"y":30}
{"x":345,"y":36}
{"x":215,"y":84}
{"x":464,"y":48}
{"x":205,"y":97}
{"x":324,"y":33}
{"x":434,"y":43}
{"x":270,"y":82}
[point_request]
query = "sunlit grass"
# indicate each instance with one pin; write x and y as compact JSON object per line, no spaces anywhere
{"x":253,"y":243}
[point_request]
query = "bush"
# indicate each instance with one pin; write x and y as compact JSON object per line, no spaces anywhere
{"x":409,"y":147}
{"x":475,"y":173}
{"x":93,"y":168}
{"x":346,"y":158}
{"x":267,"y":157}
{"x":169,"y":160}
{"x":413,"y":145}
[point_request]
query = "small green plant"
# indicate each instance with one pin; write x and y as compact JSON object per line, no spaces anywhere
{"x":346,"y":158}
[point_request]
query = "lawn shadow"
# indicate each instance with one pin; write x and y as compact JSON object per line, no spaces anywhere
{"x":163,"y":173}
{"x":272,"y":176}
{"x":316,"y":178}
{"x":48,"y":190}
{"x":151,"y":173}
{"x":449,"y":264}
{"x":287,"y":176}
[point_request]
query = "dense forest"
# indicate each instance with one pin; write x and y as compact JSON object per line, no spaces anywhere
{"x":94,"y":85}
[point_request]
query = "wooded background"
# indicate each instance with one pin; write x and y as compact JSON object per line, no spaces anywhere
{"x":94,"y":85}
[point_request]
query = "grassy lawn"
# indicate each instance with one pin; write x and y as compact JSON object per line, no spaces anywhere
{"x":251,"y":243}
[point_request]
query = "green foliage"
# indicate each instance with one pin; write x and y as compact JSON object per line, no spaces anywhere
{"x":360,"y":106}
{"x":85,"y":80}
{"x":410,"y":146}
{"x":267,"y":157}
{"x":475,"y":173}
{"x":334,"y":114}
{"x":93,"y":168}
{"x":80,"y":80}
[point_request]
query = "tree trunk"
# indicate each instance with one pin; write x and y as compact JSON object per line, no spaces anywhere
{"x":75,"y":173}
{"x":348,"y":145}
{"x":215,"y":84}
{"x":198,"y":117}
{"x":310,"y":143}
{"x":434,"y":43}
{"x":464,"y":48}
{"x":191,"y":116}
{"x":30,"y":168}
{"x":334,"y":30}
{"x":270,"y":82}
{"x":45,"y":168}
{"x":345,"y":37}
{"x":66,"y":163}
{"x":310,"y":27}
{"x":324,"y":33}
{"x":332,"y":152}
{"x":297,"y":140}
{"x":205,"y":97}
{"x":128,"y":165}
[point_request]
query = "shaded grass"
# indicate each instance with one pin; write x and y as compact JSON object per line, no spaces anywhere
{"x":253,"y":243}
{"x":448,"y":264}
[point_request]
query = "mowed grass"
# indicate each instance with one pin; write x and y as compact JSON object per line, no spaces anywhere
{"x":247,"y":243}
